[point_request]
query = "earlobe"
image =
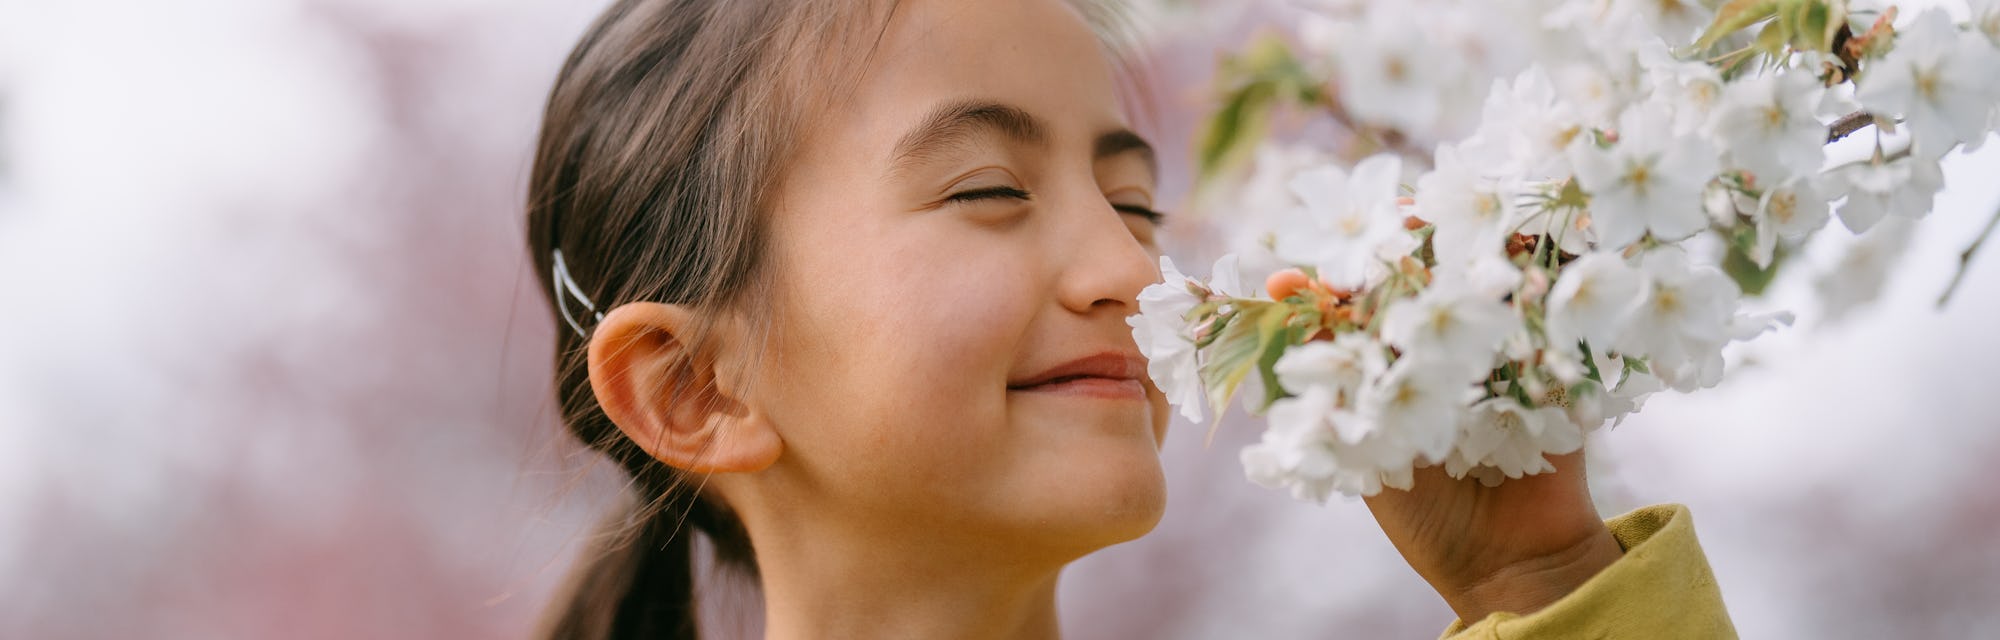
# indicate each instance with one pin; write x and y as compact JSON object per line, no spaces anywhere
{"x":667,"y":395}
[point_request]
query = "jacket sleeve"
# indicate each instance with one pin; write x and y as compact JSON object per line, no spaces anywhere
{"x":1662,"y":588}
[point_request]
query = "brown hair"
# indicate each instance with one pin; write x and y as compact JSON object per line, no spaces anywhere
{"x":664,"y":126}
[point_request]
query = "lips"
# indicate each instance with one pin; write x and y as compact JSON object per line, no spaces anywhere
{"x":1105,"y":374}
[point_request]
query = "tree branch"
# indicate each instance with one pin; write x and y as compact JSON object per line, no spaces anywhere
{"x":1965,"y":259}
{"x":1848,"y":124}
{"x":1387,"y":139}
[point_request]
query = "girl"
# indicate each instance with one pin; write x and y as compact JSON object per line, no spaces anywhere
{"x":843,"y":286}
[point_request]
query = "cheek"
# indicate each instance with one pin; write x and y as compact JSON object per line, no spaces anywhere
{"x":899,"y":355}
{"x":944,"y":328}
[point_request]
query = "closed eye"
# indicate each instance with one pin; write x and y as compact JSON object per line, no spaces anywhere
{"x":988,"y":193}
{"x":1004,"y":192}
{"x":1154,"y":217}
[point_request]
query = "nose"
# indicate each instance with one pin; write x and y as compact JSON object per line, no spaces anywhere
{"x":1105,"y":266}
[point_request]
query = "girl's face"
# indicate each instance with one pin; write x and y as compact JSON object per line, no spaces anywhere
{"x":955,"y":252}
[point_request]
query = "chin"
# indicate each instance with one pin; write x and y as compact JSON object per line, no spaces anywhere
{"x":1112,"y":498}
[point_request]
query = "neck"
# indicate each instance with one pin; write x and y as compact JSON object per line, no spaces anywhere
{"x":878,"y":586}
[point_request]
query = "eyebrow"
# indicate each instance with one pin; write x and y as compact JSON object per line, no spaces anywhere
{"x":954,"y":123}
{"x":1119,"y":141}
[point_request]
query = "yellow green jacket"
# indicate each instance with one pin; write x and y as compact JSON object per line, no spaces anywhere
{"x":1662,"y":588}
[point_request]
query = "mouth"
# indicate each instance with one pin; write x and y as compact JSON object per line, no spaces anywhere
{"x":1109,"y":375}
{"x":1090,"y":386}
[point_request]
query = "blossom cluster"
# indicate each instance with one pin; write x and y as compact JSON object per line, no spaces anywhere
{"x":1534,"y":281}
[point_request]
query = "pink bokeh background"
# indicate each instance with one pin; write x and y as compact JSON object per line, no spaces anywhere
{"x":272,"y":366}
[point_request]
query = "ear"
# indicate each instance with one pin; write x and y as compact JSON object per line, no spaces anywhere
{"x":667,"y":396}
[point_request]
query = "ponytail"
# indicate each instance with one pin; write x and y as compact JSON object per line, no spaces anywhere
{"x":635,"y":581}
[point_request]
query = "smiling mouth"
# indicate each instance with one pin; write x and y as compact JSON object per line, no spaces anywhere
{"x":1107,"y":374}
{"x":1087,"y":386}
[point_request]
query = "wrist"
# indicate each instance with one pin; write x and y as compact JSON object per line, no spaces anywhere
{"x":1529,"y":584}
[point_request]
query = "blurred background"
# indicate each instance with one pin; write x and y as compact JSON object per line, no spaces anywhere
{"x":272,"y":364}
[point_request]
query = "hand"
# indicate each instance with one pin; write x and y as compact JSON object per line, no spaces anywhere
{"x":1516,"y":547}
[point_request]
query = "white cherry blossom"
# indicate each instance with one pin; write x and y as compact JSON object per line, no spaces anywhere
{"x":1766,"y":124}
{"x":1590,"y":405}
{"x":1342,"y":365}
{"x":1794,"y":208}
{"x":1685,"y":317}
{"x":1863,"y":269}
{"x":1417,"y":402}
{"x":1525,"y":128}
{"x":1386,"y":76}
{"x":1489,"y":275}
{"x":1161,"y":330}
{"x":1691,"y":90}
{"x":1789,"y":210}
{"x":1346,"y":219}
{"x":1940,"y":80}
{"x":1600,"y":131}
{"x":1985,"y":19}
{"x":1296,"y":450}
{"x":1470,"y":212}
{"x":1592,"y":300}
{"x":1647,"y":181}
{"x":1675,"y":20}
{"x":1258,"y":207}
{"x":1877,"y":189}
{"x":1452,"y":323}
{"x":1305,"y":452}
{"x":1501,"y":433}
{"x":1616,"y":71}
{"x":1229,"y":278}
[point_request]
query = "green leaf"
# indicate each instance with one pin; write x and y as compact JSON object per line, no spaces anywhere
{"x":1753,"y":280}
{"x":1263,"y":78}
{"x":1286,"y":335}
{"x":1228,"y":137}
{"x":1634,"y":364}
{"x":1590,"y":363}
{"x":1811,"y":24}
{"x":1771,"y":39}
{"x":1235,"y":352}
{"x":1735,"y":16}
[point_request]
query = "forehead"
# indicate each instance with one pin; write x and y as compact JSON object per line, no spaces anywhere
{"x":1038,"y":55}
